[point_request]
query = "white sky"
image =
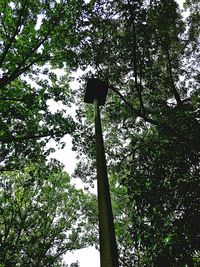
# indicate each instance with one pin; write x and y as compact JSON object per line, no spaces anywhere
{"x":88,"y":257}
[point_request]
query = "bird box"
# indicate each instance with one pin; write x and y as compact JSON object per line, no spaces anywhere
{"x":96,"y":89}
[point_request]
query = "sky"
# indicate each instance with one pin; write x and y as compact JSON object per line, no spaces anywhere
{"x":87,"y":257}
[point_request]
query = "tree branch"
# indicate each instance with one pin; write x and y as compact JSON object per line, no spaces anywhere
{"x":16,"y":31}
{"x":135,"y":111}
{"x":11,"y":99}
{"x":175,"y":92}
{"x":11,"y":139}
{"x":30,"y":52}
{"x":7,"y":79}
{"x":134,"y":58}
{"x":5,"y":30}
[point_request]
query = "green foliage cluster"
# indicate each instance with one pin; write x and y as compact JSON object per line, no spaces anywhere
{"x":42,"y":216}
{"x":30,"y":52}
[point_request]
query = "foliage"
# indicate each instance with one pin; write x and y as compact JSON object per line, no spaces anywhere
{"x":148,"y":53}
{"x":164,"y":202}
{"x":42,"y":216}
{"x":30,"y":52}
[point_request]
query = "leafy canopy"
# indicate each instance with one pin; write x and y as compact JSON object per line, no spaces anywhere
{"x":42,"y":216}
{"x":148,"y":53}
{"x":35,"y":39}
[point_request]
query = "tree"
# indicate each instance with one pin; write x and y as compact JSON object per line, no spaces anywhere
{"x":35,"y":39}
{"x":149,"y":55}
{"x":151,"y":123}
{"x":164,"y":201}
{"x":42,"y":216}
